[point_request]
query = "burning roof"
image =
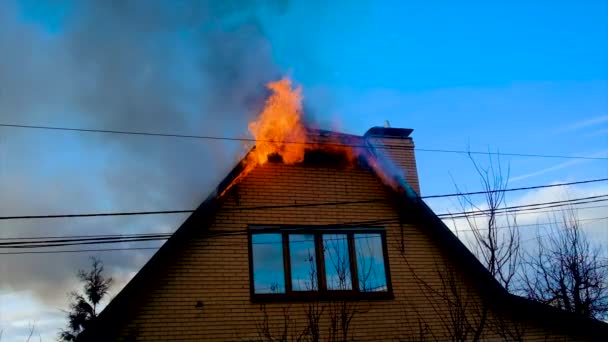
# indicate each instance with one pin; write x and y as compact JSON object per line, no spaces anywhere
{"x":280,"y":133}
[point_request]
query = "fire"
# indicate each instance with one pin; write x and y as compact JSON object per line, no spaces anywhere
{"x":279,"y":128}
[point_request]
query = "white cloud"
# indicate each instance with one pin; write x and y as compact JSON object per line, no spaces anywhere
{"x":559,"y":166}
{"x":584,"y":124}
{"x":21,"y":311}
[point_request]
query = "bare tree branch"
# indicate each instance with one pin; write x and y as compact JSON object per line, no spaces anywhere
{"x":566,"y":271}
{"x":496,"y":244}
{"x":32,"y":328}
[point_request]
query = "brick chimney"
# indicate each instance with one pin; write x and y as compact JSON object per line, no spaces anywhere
{"x":396,"y":145}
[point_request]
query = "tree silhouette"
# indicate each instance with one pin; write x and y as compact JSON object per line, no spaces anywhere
{"x":495,"y":243}
{"x":83,"y":307}
{"x":567,"y":271}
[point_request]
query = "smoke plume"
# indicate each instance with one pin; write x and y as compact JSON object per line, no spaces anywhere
{"x":191,"y":67}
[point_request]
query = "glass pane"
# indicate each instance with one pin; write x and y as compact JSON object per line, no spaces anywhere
{"x":268,"y":271}
{"x":370,"y":263}
{"x":303,"y":262}
{"x":337,"y":264}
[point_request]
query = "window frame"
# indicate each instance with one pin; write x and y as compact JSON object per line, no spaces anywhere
{"x":322,"y":293}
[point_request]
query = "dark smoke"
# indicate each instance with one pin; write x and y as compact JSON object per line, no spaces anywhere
{"x":192,"y":67}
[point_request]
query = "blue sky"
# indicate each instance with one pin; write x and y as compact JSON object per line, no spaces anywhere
{"x":509,"y":76}
{"x":512,"y":76}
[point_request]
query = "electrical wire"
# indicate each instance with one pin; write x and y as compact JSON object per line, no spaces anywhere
{"x":101,"y":239}
{"x":166,"y":212}
{"x":80,"y":250}
{"x":529,"y":207}
{"x":208,"y":137}
{"x":66,"y":241}
{"x":214,"y":244}
{"x":131,"y":213}
{"x":167,"y":235}
{"x":516,"y":189}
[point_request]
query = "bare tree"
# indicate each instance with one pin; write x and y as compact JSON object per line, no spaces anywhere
{"x":495,"y":242}
{"x":567,"y":272}
{"x":454,"y":309}
{"x":83,"y":308}
{"x":31,"y":330}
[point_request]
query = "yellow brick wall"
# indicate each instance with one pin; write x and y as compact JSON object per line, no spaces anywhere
{"x":215,"y":270}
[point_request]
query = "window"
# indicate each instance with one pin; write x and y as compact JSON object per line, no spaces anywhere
{"x":269,"y":271}
{"x":314,"y":263}
{"x":303,"y":262}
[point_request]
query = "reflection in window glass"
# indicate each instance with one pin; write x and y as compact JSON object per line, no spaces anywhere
{"x":370,"y":263}
{"x":337,"y":264}
{"x":303,"y":263}
{"x":268,"y":271}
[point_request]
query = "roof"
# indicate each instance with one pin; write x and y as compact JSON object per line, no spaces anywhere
{"x":410,"y":202}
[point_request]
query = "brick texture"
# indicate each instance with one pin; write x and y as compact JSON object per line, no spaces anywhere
{"x":214,"y":270}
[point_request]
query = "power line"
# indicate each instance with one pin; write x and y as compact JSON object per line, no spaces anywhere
{"x":109,"y":239}
{"x":268,"y":207}
{"x":510,"y":154}
{"x":84,"y":236}
{"x":117,"y":236}
{"x":65,"y":240}
{"x":69,"y":241}
{"x":517,"y":225}
{"x":208,"y":137}
{"x":164,"y":212}
{"x":80,"y":250}
{"x":126,"y":236}
{"x":137,"y":213}
{"x":87,"y":130}
{"x":49,"y":245}
{"x":225,"y":244}
{"x":73,"y":242}
{"x":153,"y":237}
{"x":134,"y":213}
{"x":516,"y":189}
{"x":527,"y":207}
{"x":534,"y":211}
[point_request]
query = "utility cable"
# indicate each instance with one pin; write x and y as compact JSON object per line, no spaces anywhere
{"x":166,"y":212}
{"x":208,"y":137}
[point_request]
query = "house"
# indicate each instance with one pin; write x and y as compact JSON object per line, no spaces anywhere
{"x":335,"y":246}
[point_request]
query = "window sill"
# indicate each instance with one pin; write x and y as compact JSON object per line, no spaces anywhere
{"x":322,"y":297}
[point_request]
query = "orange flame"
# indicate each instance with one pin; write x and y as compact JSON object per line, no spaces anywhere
{"x":279,"y":128}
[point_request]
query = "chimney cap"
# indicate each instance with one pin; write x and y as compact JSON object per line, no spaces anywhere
{"x":388,"y":132}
